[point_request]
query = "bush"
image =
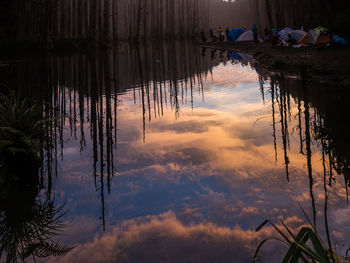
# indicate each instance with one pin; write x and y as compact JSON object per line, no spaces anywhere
{"x":22,"y":133}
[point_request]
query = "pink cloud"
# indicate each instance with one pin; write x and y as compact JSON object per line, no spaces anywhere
{"x":164,"y":238}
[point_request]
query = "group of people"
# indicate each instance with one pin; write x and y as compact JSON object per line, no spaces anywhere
{"x":275,"y":39}
{"x":220,"y":34}
{"x":216,"y":35}
{"x":287,"y":38}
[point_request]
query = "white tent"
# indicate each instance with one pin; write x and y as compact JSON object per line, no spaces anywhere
{"x":301,"y":36}
{"x":246,"y":57}
{"x":247,"y":36}
{"x":284,"y":33}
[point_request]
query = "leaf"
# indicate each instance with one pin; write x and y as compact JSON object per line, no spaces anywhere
{"x":45,"y":249}
{"x":256,"y":254}
{"x":299,"y":246}
{"x":261,"y":225}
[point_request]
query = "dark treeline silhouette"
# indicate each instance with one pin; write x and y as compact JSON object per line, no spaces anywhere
{"x":103,"y":19}
{"x":291,"y":13}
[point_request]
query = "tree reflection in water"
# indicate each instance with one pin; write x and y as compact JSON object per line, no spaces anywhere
{"x":85,"y":89}
{"x":88,"y":89}
{"x":321,"y":115}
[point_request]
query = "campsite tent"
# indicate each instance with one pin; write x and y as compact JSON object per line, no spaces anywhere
{"x":246,"y":57}
{"x":235,"y":56}
{"x":318,"y":39}
{"x":339,"y":40}
{"x":320,"y":29}
{"x":284,"y":33}
{"x":247,"y":36}
{"x":234,"y":34}
{"x":301,"y":36}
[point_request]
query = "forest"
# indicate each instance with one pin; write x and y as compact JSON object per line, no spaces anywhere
{"x":102,"y":19}
{"x":160,"y":19}
{"x":334,"y":15}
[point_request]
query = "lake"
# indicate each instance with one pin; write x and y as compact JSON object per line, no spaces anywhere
{"x":176,"y":153}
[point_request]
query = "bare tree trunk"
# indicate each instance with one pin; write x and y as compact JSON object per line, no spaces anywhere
{"x":145,"y":15}
{"x":138,"y":19}
{"x":106,"y":19}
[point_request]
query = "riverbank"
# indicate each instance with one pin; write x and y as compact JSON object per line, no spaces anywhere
{"x":324,"y":63}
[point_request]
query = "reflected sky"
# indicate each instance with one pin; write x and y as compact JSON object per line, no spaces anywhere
{"x":193,"y":174}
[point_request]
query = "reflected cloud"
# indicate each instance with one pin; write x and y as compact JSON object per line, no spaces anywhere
{"x":209,"y":142}
{"x":164,"y":238}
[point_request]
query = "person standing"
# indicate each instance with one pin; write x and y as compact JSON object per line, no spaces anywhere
{"x":255,"y":33}
{"x":227,"y":33}
{"x":222,"y":38}
{"x":219,"y":32}
{"x":211,"y":34}
{"x":203,"y":38}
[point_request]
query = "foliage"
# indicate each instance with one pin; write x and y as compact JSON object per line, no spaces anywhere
{"x":27,"y":222}
{"x":30,"y":233}
{"x":306,"y":246}
{"x":22,"y":130}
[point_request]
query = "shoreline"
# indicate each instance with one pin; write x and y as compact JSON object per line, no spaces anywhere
{"x":324,"y":63}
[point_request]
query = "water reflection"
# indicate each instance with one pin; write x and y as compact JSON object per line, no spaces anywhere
{"x":188,"y":150}
{"x":312,"y":127}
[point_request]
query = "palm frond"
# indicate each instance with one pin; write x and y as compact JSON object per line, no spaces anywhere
{"x":45,"y":249}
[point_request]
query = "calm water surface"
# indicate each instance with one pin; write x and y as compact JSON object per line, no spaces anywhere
{"x":176,"y":154}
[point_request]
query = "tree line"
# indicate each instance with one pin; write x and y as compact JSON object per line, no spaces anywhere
{"x":334,"y":15}
{"x":146,"y":19}
{"x":102,"y":19}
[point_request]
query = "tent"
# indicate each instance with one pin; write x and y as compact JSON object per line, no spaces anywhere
{"x":301,"y":36}
{"x":320,"y":29}
{"x":318,"y":39}
{"x":339,"y":40}
{"x":234,"y":34}
{"x":247,"y":36}
{"x":235,"y":56}
{"x":246,"y":57}
{"x":284,"y":33}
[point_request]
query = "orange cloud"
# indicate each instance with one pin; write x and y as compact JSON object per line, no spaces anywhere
{"x":164,"y":238}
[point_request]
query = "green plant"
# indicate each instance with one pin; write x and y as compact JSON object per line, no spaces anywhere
{"x":28,"y":232}
{"x":27,"y":222}
{"x":22,"y":129}
{"x":307,"y":246}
